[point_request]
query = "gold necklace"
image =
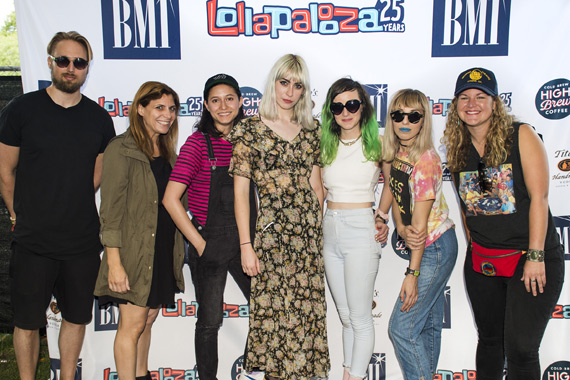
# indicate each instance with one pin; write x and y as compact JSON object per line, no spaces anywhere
{"x":350,"y":142}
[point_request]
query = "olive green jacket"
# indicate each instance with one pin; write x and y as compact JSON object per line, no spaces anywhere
{"x":128,"y":214}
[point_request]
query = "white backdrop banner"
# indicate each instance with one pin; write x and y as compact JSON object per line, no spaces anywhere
{"x":386,"y":45}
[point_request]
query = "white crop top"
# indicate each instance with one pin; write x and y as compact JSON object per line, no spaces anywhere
{"x":350,"y":178}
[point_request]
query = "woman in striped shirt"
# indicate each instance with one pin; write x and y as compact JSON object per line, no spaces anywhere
{"x":202,"y":170}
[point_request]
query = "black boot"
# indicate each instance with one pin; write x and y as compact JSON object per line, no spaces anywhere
{"x":145,"y":377}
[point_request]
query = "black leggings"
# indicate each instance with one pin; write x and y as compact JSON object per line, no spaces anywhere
{"x":511,"y":321}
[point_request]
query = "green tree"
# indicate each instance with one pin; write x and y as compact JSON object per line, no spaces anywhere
{"x":9,"y":51}
{"x":9,"y":26}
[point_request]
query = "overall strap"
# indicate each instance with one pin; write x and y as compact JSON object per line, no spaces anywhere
{"x":211,"y":156}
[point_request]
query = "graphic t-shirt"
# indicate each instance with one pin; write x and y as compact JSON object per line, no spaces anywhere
{"x":495,"y":196}
{"x":419,"y":182}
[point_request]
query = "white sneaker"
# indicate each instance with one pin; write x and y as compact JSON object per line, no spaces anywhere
{"x":254,"y":375}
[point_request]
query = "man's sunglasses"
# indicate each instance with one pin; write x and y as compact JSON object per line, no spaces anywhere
{"x":413,"y":117}
{"x":62,"y":62}
{"x":351,"y":106}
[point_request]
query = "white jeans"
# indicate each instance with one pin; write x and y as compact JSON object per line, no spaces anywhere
{"x":351,"y":257}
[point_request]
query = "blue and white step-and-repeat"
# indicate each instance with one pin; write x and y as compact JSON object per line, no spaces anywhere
{"x":386,"y":45}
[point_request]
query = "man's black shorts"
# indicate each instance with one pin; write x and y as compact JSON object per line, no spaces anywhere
{"x":34,"y":278}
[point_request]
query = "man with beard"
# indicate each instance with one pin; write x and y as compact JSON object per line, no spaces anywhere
{"x":51,"y":153}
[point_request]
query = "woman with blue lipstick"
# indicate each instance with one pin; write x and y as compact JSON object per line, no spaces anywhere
{"x":350,"y":153}
{"x":419,"y":210}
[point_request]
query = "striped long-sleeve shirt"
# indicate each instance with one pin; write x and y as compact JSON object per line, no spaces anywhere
{"x":192,"y":168}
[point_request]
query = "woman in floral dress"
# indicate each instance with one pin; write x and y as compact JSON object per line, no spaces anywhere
{"x":279,"y":151}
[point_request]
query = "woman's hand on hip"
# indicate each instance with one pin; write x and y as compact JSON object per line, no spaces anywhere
{"x":534,"y":277}
{"x":249,"y":260}
{"x":118,"y":279}
{"x":409,"y":292}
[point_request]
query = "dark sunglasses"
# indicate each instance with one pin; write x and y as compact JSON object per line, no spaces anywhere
{"x":485,"y":182}
{"x":413,"y":117}
{"x":351,"y":106}
{"x":62,"y":62}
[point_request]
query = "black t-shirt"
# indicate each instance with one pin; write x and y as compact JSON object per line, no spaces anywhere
{"x":54,"y":196}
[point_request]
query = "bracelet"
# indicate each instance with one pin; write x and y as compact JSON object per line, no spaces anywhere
{"x":382,"y":216}
{"x":415,"y":273}
{"x":247,"y":242}
{"x":13,"y":220}
{"x":535,"y":255}
{"x":385,"y":221}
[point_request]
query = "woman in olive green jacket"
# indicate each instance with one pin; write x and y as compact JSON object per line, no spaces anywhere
{"x":144,"y":253}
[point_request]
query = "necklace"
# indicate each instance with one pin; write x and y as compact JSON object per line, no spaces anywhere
{"x":349,"y":143}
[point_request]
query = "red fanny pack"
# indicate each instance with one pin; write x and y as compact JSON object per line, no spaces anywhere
{"x":495,"y":262}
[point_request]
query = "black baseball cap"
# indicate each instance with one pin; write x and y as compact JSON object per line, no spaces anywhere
{"x":221,"y":79}
{"x":477,"y":77}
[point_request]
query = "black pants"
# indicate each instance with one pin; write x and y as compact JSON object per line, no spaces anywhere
{"x":511,"y":321}
{"x":209,"y":274}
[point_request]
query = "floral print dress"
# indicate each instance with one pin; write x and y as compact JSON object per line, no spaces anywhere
{"x":287,"y":324}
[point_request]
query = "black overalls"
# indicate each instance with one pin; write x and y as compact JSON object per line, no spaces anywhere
{"x":221,"y":255}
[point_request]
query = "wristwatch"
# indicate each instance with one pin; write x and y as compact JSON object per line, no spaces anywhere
{"x":415,"y":273}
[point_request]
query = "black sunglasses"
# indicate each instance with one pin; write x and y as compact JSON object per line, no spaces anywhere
{"x":413,"y":117}
{"x":485,"y":182}
{"x":351,"y":106}
{"x":62,"y":62}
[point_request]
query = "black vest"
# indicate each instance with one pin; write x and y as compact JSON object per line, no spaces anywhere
{"x":500,"y":218}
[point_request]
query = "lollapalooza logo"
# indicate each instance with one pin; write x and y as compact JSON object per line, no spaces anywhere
{"x":120,"y":108}
{"x":160,"y":374}
{"x":191,"y":107}
{"x":320,"y":18}
{"x":466,"y":374}
{"x":107,"y":316}
{"x":553,"y":99}
{"x":466,"y":28}
{"x":55,"y":369}
{"x":141,"y":29}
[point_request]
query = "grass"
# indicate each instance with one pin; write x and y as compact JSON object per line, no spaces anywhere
{"x":8,"y":366}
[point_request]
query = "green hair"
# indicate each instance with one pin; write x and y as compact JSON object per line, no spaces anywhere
{"x":330,"y":130}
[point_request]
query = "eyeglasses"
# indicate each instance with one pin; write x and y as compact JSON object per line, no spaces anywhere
{"x":413,"y":117}
{"x":351,"y":106}
{"x":485,"y":182}
{"x":62,"y":62}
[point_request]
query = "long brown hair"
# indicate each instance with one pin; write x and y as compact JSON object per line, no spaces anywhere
{"x":167,"y":142}
{"x":457,"y":139}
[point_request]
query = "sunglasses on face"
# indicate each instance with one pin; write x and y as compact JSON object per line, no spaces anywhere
{"x":485,"y":182}
{"x":351,"y":106}
{"x":413,"y":117}
{"x":62,"y":62}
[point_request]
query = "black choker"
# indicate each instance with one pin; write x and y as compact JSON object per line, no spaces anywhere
{"x":405,"y":146}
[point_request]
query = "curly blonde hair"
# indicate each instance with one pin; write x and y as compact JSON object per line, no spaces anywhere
{"x":457,"y":139}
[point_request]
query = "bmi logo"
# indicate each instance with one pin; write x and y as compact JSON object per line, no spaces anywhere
{"x":141,"y":29}
{"x":470,"y":28}
{"x":562,"y":224}
{"x":379,"y":98}
{"x":55,"y":368}
{"x":106,"y":316}
{"x":447,"y":307}
{"x":377,"y":367}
